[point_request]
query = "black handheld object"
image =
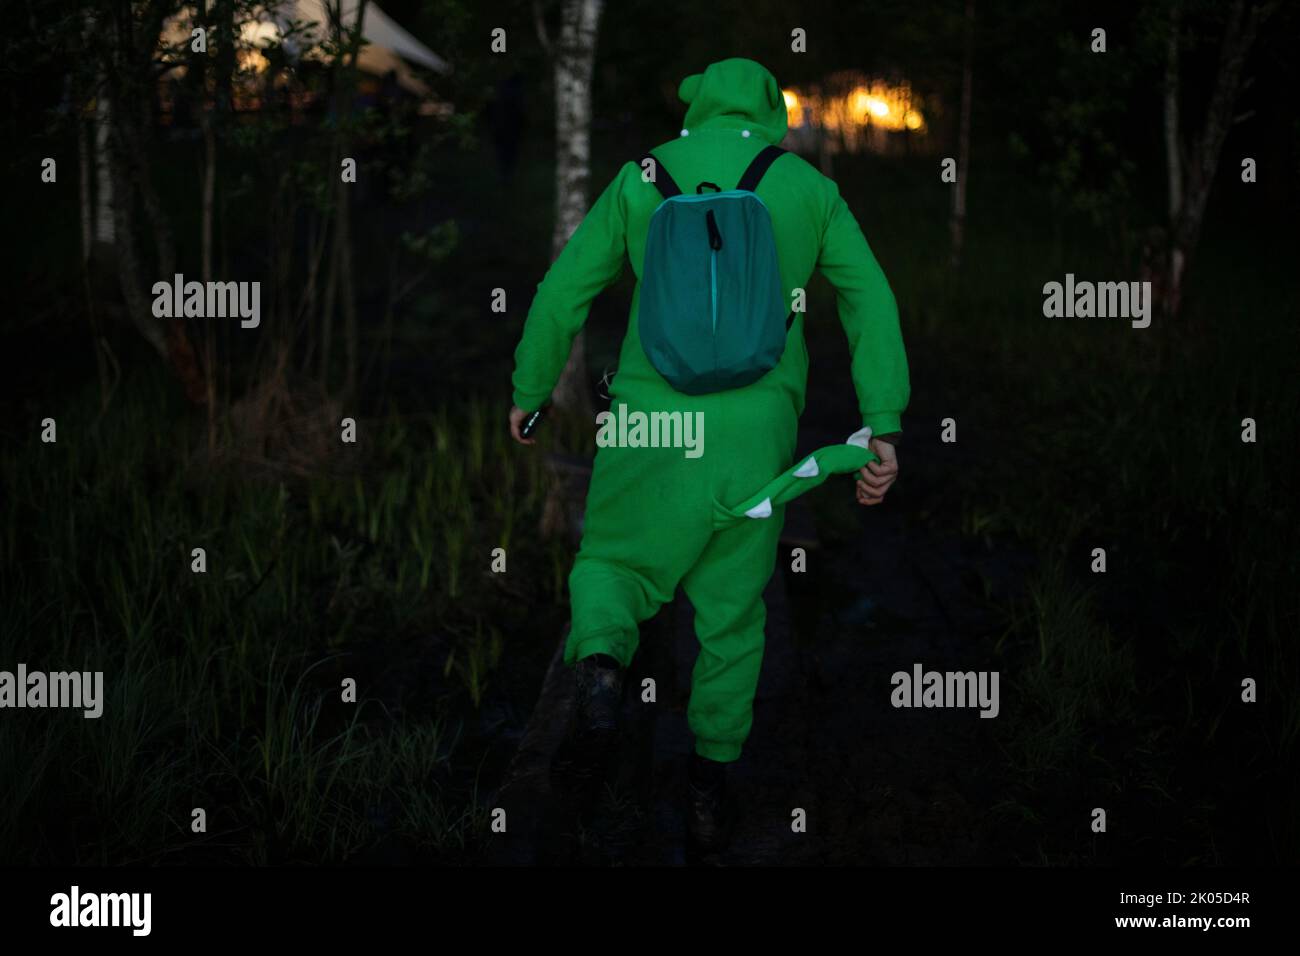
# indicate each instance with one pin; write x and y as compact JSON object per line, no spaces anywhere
{"x":531,"y":422}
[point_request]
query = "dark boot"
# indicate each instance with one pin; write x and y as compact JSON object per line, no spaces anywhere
{"x":710,"y":812}
{"x":599,"y":703}
{"x":579,"y":763}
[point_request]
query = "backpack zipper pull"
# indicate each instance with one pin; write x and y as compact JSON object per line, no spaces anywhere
{"x":715,"y":236}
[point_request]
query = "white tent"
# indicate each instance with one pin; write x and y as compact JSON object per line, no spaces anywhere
{"x":388,"y":46}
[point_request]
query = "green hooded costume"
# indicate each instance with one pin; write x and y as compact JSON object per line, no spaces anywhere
{"x":655,"y":517}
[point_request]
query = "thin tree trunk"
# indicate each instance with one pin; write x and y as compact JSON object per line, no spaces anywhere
{"x":1173,"y":159}
{"x":327,"y":312}
{"x":209,"y":332}
{"x":86,"y":207}
{"x":346,"y":275}
{"x":575,"y":56}
{"x":317,"y":241}
{"x":1197,"y":169}
{"x":342,"y":273}
{"x":281,"y":232}
{"x":209,"y":185}
{"x":225,"y":66}
{"x":957,"y":223}
{"x":105,"y":224}
{"x":347,"y":292}
{"x":334,"y":11}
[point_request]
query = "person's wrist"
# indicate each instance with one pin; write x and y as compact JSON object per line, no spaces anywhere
{"x":529,"y":402}
{"x":883,"y":423}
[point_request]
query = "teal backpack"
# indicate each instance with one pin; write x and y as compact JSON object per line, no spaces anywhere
{"x":713,"y":313}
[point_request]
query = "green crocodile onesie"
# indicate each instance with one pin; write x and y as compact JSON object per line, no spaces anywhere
{"x":654,"y":517}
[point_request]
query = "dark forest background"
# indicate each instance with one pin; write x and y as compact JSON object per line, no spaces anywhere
{"x":371,"y":560}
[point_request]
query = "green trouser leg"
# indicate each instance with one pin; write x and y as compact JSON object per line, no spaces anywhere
{"x":726,"y":589}
{"x":608,"y":602}
{"x":725,"y":586}
{"x":635,"y":548}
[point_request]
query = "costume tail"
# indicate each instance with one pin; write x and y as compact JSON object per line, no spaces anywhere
{"x":829,"y":460}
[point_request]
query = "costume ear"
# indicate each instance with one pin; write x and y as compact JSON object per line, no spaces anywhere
{"x":775,"y":97}
{"x":689,"y":87}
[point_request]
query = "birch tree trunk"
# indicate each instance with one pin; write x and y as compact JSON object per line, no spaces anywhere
{"x":574,"y":57}
{"x":101,"y":215}
{"x":105,"y":225}
{"x":85,"y":199}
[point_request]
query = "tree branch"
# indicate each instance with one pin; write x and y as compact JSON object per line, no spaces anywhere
{"x":539,"y":24}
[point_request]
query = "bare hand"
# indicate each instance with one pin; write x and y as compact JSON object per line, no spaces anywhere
{"x":517,"y":416}
{"x":877,"y":477}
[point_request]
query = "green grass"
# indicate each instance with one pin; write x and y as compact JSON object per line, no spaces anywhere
{"x":224,"y":688}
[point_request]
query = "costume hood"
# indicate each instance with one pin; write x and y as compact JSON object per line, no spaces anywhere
{"x":735,"y":93}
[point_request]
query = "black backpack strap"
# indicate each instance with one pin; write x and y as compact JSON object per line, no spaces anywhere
{"x":765,"y":158}
{"x":665,"y":183}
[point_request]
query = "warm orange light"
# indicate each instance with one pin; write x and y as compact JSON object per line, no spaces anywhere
{"x":877,"y":105}
{"x":863,"y":102}
{"x":793,"y":111}
{"x":251,"y":60}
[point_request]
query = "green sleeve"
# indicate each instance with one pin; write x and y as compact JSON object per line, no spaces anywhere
{"x":869,"y":315}
{"x":591,"y":260}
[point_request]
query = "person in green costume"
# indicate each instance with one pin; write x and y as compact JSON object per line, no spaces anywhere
{"x":656,"y":518}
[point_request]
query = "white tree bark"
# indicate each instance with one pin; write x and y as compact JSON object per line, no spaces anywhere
{"x":575,"y":56}
{"x":83,"y":184}
{"x":104,"y":225}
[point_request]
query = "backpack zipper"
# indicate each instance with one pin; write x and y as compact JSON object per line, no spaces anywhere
{"x":713,"y":286}
{"x":715,"y":243}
